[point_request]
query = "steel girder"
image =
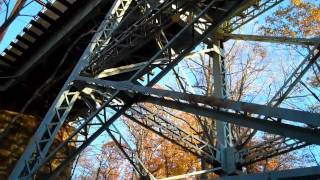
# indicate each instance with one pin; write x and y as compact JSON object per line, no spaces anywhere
{"x":249,"y":12}
{"x":254,"y":9}
{"x":39,"y":145}
{"x":165,"y":67}
{"x":161,"y":52}
{"x":307,"y":118}
{"x":281,"y":147}
{"x":134,"y":37}
{"x":298,"y":174}
{"x":259,"y":152}
{"x":212,"y":106}
{"x":302,"y":133}
{"x":268,"y":149}
{"x":164,"y":128}
{"x":271,"y":39}
{"x":223,"y":129}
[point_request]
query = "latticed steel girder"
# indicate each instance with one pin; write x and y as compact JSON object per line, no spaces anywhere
{"x":111,"y":47}
{"x":268,"y":149}
{"x":248,"y":12}
{"x":39,"y":145}
{"x":165,"y":128}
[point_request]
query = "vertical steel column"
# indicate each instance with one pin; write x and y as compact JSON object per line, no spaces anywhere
{"x":224,"y":139}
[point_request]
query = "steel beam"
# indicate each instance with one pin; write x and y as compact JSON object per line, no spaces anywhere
{"x":289,"y":146}
{"x":301,"y":133}
{"x":166,"y":129}
{"x":272,"y":39}
{"x":189,"y":175}
{"x":223,"y":130}
{"x":268,"y":149}
{"x":134,"y":37}
{"x":298,"y":174}
{"x":236,"y":106}
{"x":134,"y":67}
{"x":141,"y":72}
{"x":232,"y":109}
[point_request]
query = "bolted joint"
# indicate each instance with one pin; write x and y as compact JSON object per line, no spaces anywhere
{"x":228,"y":160}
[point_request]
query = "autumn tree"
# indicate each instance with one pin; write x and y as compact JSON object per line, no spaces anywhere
{"x":300,"y":18}
{"x":104,"y":163}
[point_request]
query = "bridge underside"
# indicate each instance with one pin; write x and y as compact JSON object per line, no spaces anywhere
{"x":29,"y":71}
{"x":122,"y":57}
{"x":19,"y":91}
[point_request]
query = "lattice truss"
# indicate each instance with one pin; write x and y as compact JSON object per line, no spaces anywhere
{"x":108,"y":100}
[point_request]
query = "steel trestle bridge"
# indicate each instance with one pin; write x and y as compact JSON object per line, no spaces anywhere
{"x":130,"y":25}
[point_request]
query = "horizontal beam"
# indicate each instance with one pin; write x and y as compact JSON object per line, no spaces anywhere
{"x":273,"y":127}
{"x":301,"y":173}
{"x":271,"y":39}
{"x":137,"y":66}
{"x":223,"y":109}
{"x":196,"y":173}
{"x":280,"y":113}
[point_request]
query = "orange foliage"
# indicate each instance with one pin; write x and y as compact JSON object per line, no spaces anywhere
{"x":300,"y":18}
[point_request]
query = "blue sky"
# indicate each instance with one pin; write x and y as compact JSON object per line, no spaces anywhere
{"x":20,"y":22}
